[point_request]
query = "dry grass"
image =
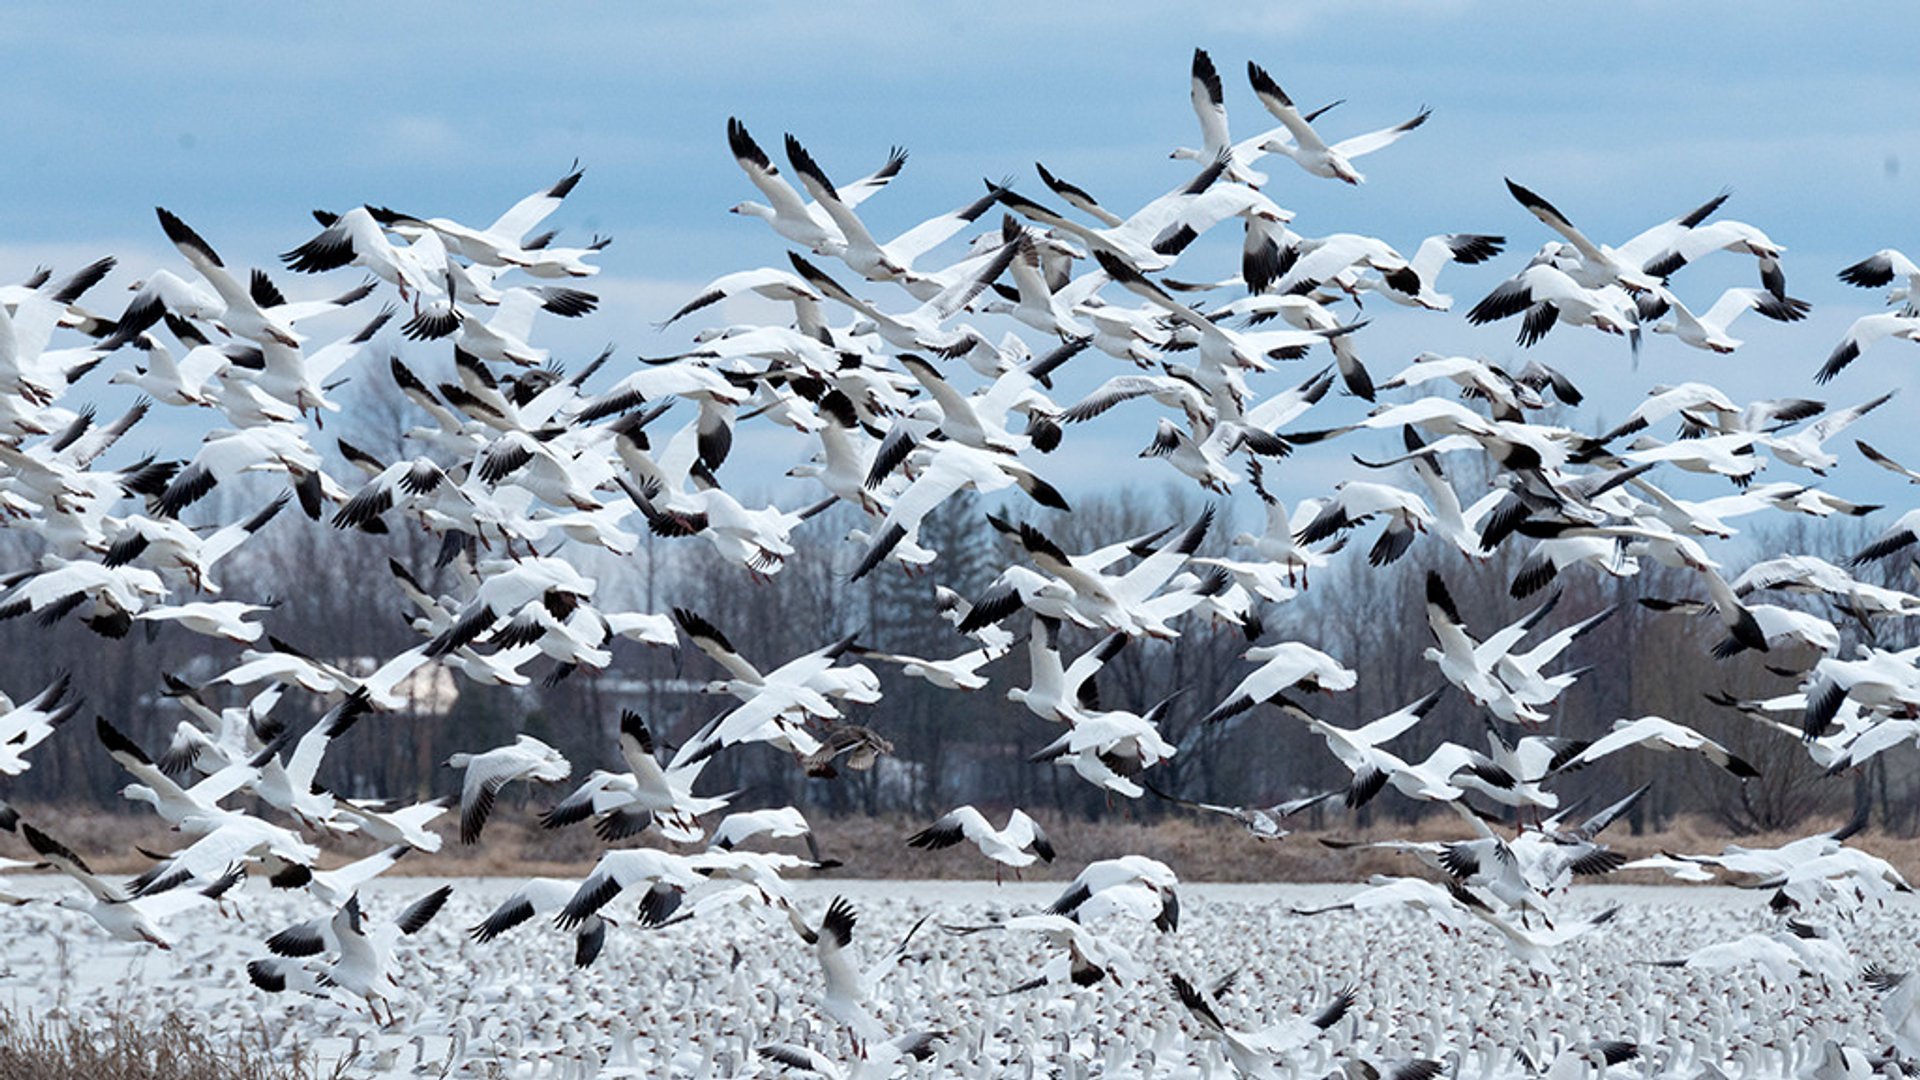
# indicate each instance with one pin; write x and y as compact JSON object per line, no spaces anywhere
{"x":1200,"y":848}
{"x":124,"y":1049}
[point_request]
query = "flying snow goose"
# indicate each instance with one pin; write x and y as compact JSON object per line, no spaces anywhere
{"x":1016,"y":845}
{"x":124,"y":919}
{"x":1880,"y":269}
{"x":28,"y":724}
{"x":486,"y":773}
{"x":363,"y":960}
{"x":1257,"y":1053}
{"x":1307,"y":149}
{"x":1709,"y":330}
{"x":222,"y":299}
{"x":767,"y":282}
{"x":876,"y":1059}
{"x":626,"y":804}
{"x":1864,"y":332}
{"x":942,"y":469}
{"x":543,"y":896}
{"x":806,"y":224}
{"x":847,"y":988}
{"x":503,"y":242}
{"x":1110,"y":749}
{"x":1261,"y":822}
{"x":1547,"y":294}
{"x":1355,"y":502}
{"x":1598,"y":265}
{"x":1805,"y":449}
{"x":1878,"y":679}
{"x":1433,"y":254}
{"x":385,"y":823}
{"x":357,"y":238}
{"x":1659,"y":733}
{"x":1063,"y":693}
{"x":1152,"y":238}
{"x":666,"y":876}
{"x":1898,"y":1010}
{"x":1134,"y":884}
{"x":1283,"y":666}
{"x":1469,"y":664}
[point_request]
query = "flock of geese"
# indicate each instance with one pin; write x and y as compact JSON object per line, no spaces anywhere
{"x":908,"y":394}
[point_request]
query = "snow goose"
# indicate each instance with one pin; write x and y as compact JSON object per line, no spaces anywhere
{"x":125,"y":919}
{"x":773,"y":702}
{"x":1878,"y":679}
{"x":1134,"y":884}
{"x":1864,"y":332}
{"x":222,"y":299}
{"x":505,"y":589}
{"x":1521,"y":671}
{"x":1709,"y":330}
{"x":1016,"y":845}
{"x":1433,"y":254}
{"x":1283,"y":666}
{"x":357,"y":238}
{"x":1110,"y":749}
{"x":1261,"y":822}
{"x":1356,"y":501}
{"x":1307,"y":149}
{"x":666,"y":876}
{"x":1090,"y":595}
{"x":390,"y":824}
{"x":543,"y":896}
{"x":847,"y":988}
{"x":1471,"y":665}
{"x":1256,"y":1053}
{"x":626,"y":804}
{"x":486,"y":773}
{"x":1359,"y":748}
{"x":806,"y":224}
{"x":1596,"y":265}
{"x":286,"y":664}
{"x":226,"y":838}
{"x":502,"y":243}
{"x":924,"y":327}
{"x":876,"y":1059}
{"x":1209,"y":106}
{"x":1804,"y":449}
{"x":290,"y":786}
{"x":225,"y":454}
{"x":1898,"y":1009}
{"x":1152,"y":238}
{"x":1221,"y":349}
{"x":942,"y":469}
{"x":1547,"y":294}
{"x":28,"y":724}
{"x":363,"y":962}
{"x":1063,"y":693}
{"x":60,"y":586}
{"x":170,"y":545}
{"x":505,"y":336}
{"x":1088,"y":958}
{"x":1880,"y":269}
{"x":778,"y":285}
{"x":223,"y":619}
{"x":1506,"y":397}
{"x":1659,"y":733}
{"x":960,"y":672}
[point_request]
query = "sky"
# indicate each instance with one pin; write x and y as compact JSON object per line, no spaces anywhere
{"x":242,"y":118}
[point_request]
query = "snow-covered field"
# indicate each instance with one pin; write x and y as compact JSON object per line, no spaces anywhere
{"x":698,"y":998}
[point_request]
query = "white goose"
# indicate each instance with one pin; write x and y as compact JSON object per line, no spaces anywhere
{"x":1307,"y":149}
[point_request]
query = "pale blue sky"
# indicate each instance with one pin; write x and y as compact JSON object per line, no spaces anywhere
{"x":242,"y":117}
